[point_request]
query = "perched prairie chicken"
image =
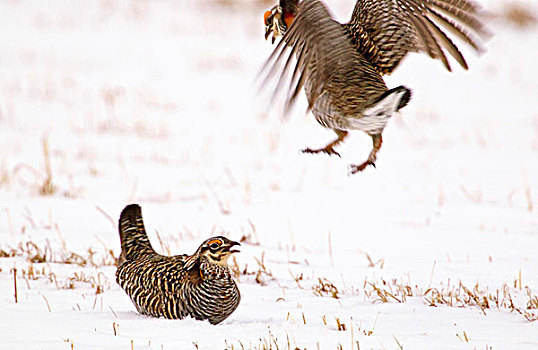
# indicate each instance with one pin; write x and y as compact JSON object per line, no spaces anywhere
{"x":199,"y":285}
{"x":340,"y":65}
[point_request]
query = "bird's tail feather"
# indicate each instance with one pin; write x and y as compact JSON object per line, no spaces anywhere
{"x":134,"y":239}
{"x":375,"y":118}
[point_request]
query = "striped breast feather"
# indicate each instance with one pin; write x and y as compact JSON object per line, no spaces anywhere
{"x":156,"y":275}
{"x":386,"y":30}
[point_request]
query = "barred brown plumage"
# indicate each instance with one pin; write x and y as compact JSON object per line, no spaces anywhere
{"x":200,"y":285}
{"x":340,"y":65}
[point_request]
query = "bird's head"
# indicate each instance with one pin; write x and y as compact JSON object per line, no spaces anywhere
{"x":278,"y":19}
{"x":217,"y":250}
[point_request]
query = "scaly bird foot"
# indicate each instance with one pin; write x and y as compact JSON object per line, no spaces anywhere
{"x":353,"y":169}
{"x":327,"y":150}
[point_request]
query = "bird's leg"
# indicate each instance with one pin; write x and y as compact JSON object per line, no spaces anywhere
{"x":377,"y":140}
{"x":329,"y":149}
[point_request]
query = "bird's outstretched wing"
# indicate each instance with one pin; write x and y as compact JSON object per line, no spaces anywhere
{"x":384,"y":31}
{"x":326,"y":62}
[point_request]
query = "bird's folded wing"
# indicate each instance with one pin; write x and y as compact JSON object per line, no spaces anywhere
{"x":386,"y":30}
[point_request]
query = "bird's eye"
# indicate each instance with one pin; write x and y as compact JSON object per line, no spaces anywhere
{"x":213,"y":246}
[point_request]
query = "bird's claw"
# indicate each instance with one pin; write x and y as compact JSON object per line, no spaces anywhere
{"x":327,"y":150}
{"x":268,"y":31}
{"x":353,"y":168}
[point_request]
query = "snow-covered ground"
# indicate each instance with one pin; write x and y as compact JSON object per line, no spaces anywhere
{"x":105,"y":103}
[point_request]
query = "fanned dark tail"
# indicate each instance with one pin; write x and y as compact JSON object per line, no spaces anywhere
{"x":134,"y":239}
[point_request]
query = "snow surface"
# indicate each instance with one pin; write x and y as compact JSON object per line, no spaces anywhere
{"x":154,"y":102}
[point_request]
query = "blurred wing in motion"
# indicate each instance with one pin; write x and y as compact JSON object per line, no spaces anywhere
{"x":384,"y":31}
{"x":326,"y":62}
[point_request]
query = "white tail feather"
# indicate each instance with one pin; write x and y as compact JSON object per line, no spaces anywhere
{"x":375,"y":118}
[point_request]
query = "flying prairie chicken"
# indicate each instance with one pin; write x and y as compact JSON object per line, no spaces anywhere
{"x":199,"y":285}
{"x":340,"y":66}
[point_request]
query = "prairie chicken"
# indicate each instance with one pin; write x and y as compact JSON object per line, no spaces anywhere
{"x":199,"y":285}
{"x":340,"y":66}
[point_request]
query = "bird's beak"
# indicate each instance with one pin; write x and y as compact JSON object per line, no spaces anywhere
{"x":231,"y":244}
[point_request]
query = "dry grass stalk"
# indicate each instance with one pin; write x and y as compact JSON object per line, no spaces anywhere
{"x":431,"y":275}
{"x":456,"y":296}
{"x":339,"y":325}
{"x":43,"y":254}
{"x":259,"y":275}
{"x":384,"y":293}
{"x":223,"y":207}
{"x":107,"y":216}
{"x":165,"y":248}
{"x":47,"y":302}
{"x":325,"y":288}
{"x":15,"y":283}
{"x":47,"y":188}
{"x":297,"y":278}
{"x":97,"y":280}
{"x":269,"y":342}
{"x":4,"y":176}
{"x":351,"y":331}
{"x":251,"y":237}
{"x":371,"y":263}
{"x":462,"y":296}
{"x":398,"y":343}
{"x":262,"y":270}
{"x":113,"y":312}
{"x":517,"y":282}
{"x":368,"y":332}
{"x":465,"y":339}
{"x":475,"y":196}
{"x":532,"y":304}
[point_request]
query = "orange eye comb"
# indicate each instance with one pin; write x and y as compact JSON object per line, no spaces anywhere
{"x":288,"y":18}
{"x":266,"y":15}
{"x":214,"y":241}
